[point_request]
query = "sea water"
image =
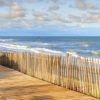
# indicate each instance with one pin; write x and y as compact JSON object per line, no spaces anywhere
{"x":83,"y":46}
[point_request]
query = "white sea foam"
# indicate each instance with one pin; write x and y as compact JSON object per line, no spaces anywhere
{"x":49,"y":43}
{"x":41,"y":43}
{"x":47,"y":50}
{"x":16,"y":47}
{"x":6,"y":40}
{"x":95,"y":53}
{"x":73,"y":53}
{"x":85,"y":45}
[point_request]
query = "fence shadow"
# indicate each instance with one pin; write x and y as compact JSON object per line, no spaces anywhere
{"x":6,"y":61}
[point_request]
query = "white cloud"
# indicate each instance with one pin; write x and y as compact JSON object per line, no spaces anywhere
{"x":16,"y":10}
{"x":53,"y":8}
{"x":17,"y":15}
{"x":11,"y":17}
{"x":84,"y":5}
{"x":4,"y":3}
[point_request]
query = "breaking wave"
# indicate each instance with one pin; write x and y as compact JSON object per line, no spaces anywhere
{"x":16,"y":47}
{"x":6,"y":40}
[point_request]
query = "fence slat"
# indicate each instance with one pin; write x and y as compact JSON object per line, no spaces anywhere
{"x":78,"y":74}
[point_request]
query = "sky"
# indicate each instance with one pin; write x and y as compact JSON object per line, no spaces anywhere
{"x":49,"y":17}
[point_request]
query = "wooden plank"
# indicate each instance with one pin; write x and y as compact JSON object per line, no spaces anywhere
{"x":17,"y":86}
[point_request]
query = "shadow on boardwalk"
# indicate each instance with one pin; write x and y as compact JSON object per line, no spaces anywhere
{"x":5,"y":61}
{"x":46,"y":97}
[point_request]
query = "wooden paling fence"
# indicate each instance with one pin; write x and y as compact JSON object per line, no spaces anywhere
{"x":78,"y":74}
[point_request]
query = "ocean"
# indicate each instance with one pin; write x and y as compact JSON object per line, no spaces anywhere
{"x":82,"y":46}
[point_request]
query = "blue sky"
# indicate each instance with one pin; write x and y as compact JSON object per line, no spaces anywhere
{"x":49,"y":17}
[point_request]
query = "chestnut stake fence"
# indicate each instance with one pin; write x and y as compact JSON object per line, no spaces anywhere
{"x":78,"y":74}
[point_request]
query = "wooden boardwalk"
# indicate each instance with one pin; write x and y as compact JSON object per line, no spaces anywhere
{"x":17,"y":86}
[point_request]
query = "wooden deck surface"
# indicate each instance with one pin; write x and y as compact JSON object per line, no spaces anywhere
{"x":17,"y":86}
